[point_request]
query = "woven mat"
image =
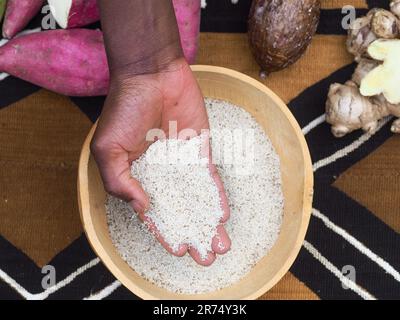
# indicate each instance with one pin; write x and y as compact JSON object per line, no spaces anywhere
{"x":356,"y":217}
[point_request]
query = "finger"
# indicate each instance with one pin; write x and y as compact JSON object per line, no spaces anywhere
{"x":207,"y":261}
{"x":137,"y":207}
{"x":222,"y":195}
{"x":125,"y":187}
{"x":114,"y":169}
{"x":206,"y":152}
{"x":181,"y":251}
{"x":221,"y":242}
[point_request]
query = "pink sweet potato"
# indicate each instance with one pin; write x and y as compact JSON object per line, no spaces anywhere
{"x":18,"y":14}
{"x":74,"y":13}
{"x":78,"y":13}
{"x":70,"y":62}
{"x":188,"y":16}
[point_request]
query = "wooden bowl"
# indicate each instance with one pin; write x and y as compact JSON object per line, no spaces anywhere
{"x":297,"y":178}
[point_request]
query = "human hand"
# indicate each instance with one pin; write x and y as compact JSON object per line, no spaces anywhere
{"x":135,"y":105}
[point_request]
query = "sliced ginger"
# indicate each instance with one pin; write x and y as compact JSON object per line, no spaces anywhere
{"x":385,"y":78}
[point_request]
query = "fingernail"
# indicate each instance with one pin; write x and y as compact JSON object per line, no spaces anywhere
{"x":209,"y":260}
{"x":137,"y":206}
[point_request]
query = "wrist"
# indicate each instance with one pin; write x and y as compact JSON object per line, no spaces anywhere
{"x":156,"y":63}
{"x":130,"y":77}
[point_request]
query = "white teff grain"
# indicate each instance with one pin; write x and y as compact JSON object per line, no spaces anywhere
{"x":184,"y":201}
{"x":256,"y":203}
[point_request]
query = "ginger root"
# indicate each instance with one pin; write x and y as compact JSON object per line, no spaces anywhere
{"x":374,"y":89}
{"x":395,"y":7}
{"x":385,"y":78}
{"x":360,"y":37}
{"x":347,"y":110}
{"x":385,"y":24}
{"x":377,"y":24}
{"x":364,"y":67}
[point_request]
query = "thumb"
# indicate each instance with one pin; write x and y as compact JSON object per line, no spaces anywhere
{"x":130,"y":190}
{"x":125,"y":187}
{"x":115,"y":172}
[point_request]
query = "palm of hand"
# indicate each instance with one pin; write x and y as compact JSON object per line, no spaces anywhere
{"x":136,"y":106}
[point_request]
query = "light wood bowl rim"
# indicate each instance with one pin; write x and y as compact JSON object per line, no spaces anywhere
{"x":84,"y":206}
